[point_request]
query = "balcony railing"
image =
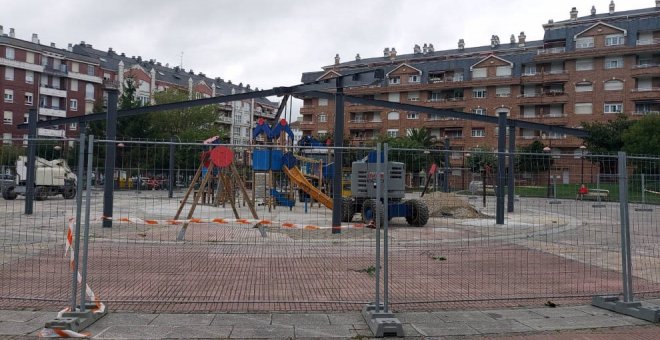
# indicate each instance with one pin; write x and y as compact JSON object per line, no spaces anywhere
{"x":653,"y":41}
{"x":645,"y":113}
{"x":646,"y":65}
{"x":445,"y":79}
{"x":61,"y":69}
{"x":450,"y":99}
{"x":551,"y":50}
{"x":307,"y":122}
{"x":646,"y":89}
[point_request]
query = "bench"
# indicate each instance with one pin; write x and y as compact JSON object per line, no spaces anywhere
{"x":598,"y":193}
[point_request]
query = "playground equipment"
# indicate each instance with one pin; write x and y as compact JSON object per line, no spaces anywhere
{"x":222,"y":158}
{"x":51,"y":178}
{"x":363,"y":189}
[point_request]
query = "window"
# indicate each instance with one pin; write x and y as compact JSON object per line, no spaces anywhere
{"x":73,"y":126}
{"x":29,"y":77}
{"x":413,"y":79}
{"x":613,"y":62}
{"x":90,"y":70}
{"x":585,"y":42}
{"x":9,"y":73}
{"x":9,"y":53}
{"x":479,"y":111}
{"x":73,"y":104}
{"x":29,"y":98}
{"x":393,"y":133}
{"x":74,"y":84}
{"x":323,"y":118}
{"x":8,"y":118}
{"x":89,"y":91}
{"x":479,"y":92}
{"x":394,"y":80}
{"x":584,"y":64}
{"x":503,"y":91}
{"x":413,"y":96}
{"x":413,"y":115}
{"x":503,"y":71}
{"x":584,"y":87}
{"x":44,"y":80}
{"x":614,"y":39}
{"x":29,"y":57}
{"x":478,"y":132}
{"x":26,"y":118}
{"x":613,"y":85}
{"x":454,"y":133}
{"x":323,"y":102}
{"x":529,"y":70}
{"x":394,"y":97}
{"x":6,"y":137}
{"x":75,"y":67}
{"x":393,"y":115}
{"x":613,"y":108}
{"x":9,"y":96}
{"x":479,"y":72}
{"x":583,"y":108}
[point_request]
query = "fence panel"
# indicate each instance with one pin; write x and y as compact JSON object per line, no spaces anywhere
{"x":560,"y":244}
{"x":34,"y":272}
{"x":222,"y":263}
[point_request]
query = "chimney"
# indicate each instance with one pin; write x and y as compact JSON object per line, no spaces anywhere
{"x":612,"y":6}
{"x":82,"y":42}
{"x":110,"y":50}
{"x":337,"y":59}
{"x":167,"y":65}
{"x":521,"y":39}
{"x":393,"y":53}
{"x":69,"y":47}
{"x":52,"y":44}
{"x":593,"y":11}
{"x":35,"y":38}
{"x":386,"y":52}
{"x":1,"y":32}
{"x":425,"y":48}
{"x":12,"y":33}
{"x":357,"y":57}
{"x":574,"y":13}
{"x":657,"y":3}
{"x":461,"y":44}
{"x":417,"y":49}
{"x":431,"y":48}
{"x":512,"y":39}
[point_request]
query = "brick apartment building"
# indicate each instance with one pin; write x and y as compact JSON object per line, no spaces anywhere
{"x":585,"y":69}
{"x":68,"y":82}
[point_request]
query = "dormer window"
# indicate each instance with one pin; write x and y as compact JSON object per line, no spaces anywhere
{"x":395,"y":80}
{"x":413,"y":78}
{"x":614,"y":40}
{"x":585,"y":42}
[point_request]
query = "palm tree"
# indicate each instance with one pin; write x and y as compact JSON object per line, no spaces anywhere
{"x":422,"y":138}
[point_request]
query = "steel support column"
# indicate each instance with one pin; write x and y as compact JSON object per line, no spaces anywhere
{"x":339,"y":140}
{"x":501,"y":146}
{"x":31,"y":157}
{"x":110,"y":154}
{"x":445,"y":182}
{"x":512,"y":169}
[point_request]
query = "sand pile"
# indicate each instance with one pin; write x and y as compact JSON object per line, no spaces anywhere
{"x":450,"y":205}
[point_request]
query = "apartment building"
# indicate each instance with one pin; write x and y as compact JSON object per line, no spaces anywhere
{"x":69,"y":82}
{"x":586,"y":68}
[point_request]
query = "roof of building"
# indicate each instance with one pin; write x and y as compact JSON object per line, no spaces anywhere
{"x":28,"y":45}
{"x":173,"y":75}
{"x":607,"y":16}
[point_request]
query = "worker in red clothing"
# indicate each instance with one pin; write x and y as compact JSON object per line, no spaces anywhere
{"x":582,"y":191}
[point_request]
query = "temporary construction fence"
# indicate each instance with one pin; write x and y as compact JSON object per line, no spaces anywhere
{"x":250,"y":235}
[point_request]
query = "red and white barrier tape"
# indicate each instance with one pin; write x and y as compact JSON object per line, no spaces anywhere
{"x":99,"y":307}
{"x":244,"y":221}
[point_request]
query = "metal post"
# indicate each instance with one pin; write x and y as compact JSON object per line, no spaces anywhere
{"x":170,"y":175}
{"x":110,"y":148}
{"x":377,"y":219}
{"x":338,"y":143}
{"x":88,"y":201}
{"x":501,"y":164}
{"x":626,"y":261}
{"x":76,"y":242}
{"x":385,"y":227}
{"x":511,"y":187}
{"x":445,"y":183}
{"x":31,"y":157}
{"x":643,"y":190}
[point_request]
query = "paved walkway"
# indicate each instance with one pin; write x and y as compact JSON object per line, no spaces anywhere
{"x":576,"y":322}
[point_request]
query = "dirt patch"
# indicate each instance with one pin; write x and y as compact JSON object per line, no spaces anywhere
{"x":450,"y":205}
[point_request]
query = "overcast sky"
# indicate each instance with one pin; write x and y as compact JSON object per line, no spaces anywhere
{"x":267,"y":43}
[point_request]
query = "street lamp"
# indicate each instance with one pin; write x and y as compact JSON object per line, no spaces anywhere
{"x":582,"y":149}
{"x":547,"y":151}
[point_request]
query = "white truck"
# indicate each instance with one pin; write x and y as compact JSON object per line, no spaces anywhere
{"x":51,"y":178}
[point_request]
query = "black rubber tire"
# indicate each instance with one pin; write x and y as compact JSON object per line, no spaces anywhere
{"x":69,"y":192}
{"x":420,"y":213}
{"x":368,"y":208}
{"x":9,"y":194}
{"x":347,"y":209}
{"x":40,"y":193}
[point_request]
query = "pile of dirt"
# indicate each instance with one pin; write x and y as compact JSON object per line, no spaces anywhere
{"x":450,"y":205}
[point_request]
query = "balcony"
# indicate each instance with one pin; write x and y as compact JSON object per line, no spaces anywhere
{"x":645,"y":70}
{"x":224,"y":119}
{"x":306,"y":122}
{"x":52,"y":111}
{"x":60,"y":71}
{"x":645,"y":94}
{"x":645,"y":113}
{"x":85,"y":77}
{"x":646,"y":42}
{"x":552,"y":50}
{"x":445,"y":100}
{"x":545,"y":77}
{"x":365,"y":124}
{"x":21,"y":65}
{"x":304,"y":110}
{"x":50,"y":132}
{"x":550,"y":119}
{"x":548,"y":97}
{"x":48,"y":90}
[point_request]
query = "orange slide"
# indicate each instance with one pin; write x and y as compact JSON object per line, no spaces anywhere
{"x":296,"y":176}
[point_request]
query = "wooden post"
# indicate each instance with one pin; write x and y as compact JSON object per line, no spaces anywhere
{"x":190,"y":188}
{"x":246,"y":198}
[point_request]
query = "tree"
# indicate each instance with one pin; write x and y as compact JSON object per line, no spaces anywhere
{"x":606,"y":138}
{"x":481,"y":159}
{"x":190,"y":124}
{"x":532,"y":158}
{"x":643,"y":136}
{"x":422,"y":138}
{"x":135,"y":126}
